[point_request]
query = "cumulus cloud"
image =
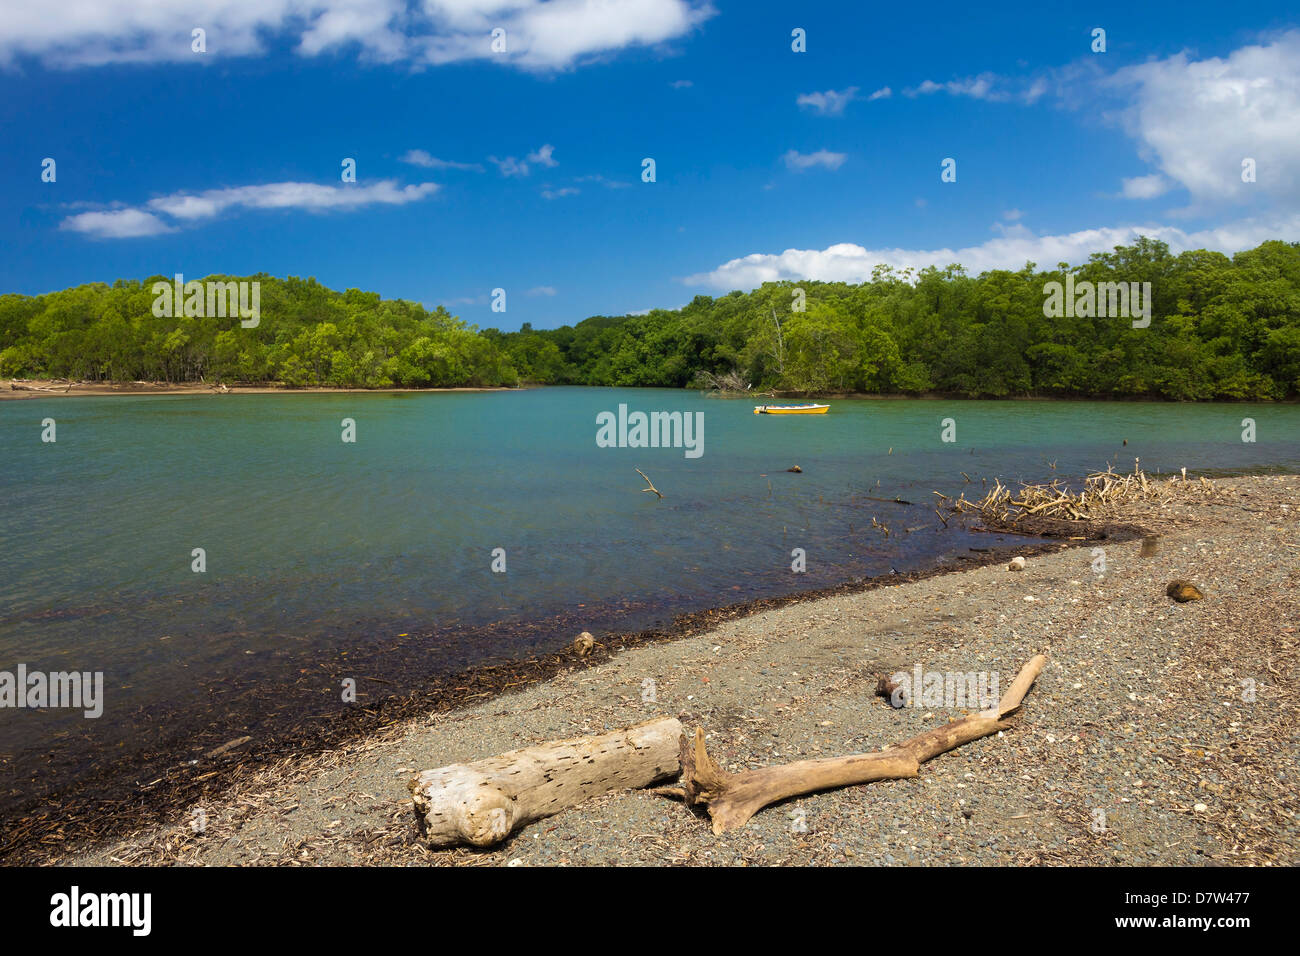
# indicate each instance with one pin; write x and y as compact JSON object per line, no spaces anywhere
{"x":830,"y":103}
{"x":418,"y":157}
{"x":799,"y":162}
{"x":186,"y":207}
{"x":1195,"y":120}
{"x":540,"y":34}
{"x":848,"y":262}
{"x":883,"y":93}
{"x":1198,"y":119}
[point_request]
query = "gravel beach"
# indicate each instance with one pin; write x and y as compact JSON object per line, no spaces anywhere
{"x":1158,"y":733}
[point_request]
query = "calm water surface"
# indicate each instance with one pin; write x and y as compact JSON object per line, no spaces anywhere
{"x":316,"y":545}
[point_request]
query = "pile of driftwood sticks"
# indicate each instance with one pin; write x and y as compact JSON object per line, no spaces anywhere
{"x":1004,"y":505}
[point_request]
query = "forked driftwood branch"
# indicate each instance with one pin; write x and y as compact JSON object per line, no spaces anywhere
{"x":652,"y":487}
{"x":732,"y":799}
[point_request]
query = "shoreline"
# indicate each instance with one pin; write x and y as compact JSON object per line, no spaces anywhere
{"x":54,"y":388}
{"x":57,"y":388}
{"x":554,"y":687}
{"x":958,"y":397}
{"x":175,"y":779}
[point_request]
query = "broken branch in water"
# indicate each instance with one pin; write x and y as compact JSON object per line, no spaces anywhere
{"x":652,"y":487}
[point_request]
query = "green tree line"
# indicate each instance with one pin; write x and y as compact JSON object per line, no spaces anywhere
{"x":306,"y":334}
{"x":1220,"y":328}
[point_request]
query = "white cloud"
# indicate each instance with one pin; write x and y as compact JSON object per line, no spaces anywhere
{"x":1195,"y":120}
{"x":418,"y":157}
{"x":1002,"y":89}
{"x":1198,"y":119}
{"x":982,"y":87}
{"x":1145,"y":187}
{"x":681,"y":84}
{"x":883,"y":93}
{"x":310,"y":196}
{"x":546,"y":290}
{"x":512,"y":167}
{"x":561,"y":192}
{"x":117,"y":224}
{"x":194,"y":207}
{"x":509,"y":166}
{"x":604,"y":181}
{"x":540,"y":34}
{"x":801,"y":161}
{"x":848,"y":262}
{"x":830,"y":103}
{"x":1011,"y":215}
{"x":542,"y":156}
{"x":469,"y":300}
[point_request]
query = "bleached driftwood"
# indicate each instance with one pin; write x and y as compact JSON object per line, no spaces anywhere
{"x":732,"y":799}
{"x":482,"y":802}
{"x":651,"y":489}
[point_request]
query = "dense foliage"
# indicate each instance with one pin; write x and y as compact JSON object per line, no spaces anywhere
{"x":1226,"y":328}
{"x":306,"y":335}
{"x":1221,"y":327}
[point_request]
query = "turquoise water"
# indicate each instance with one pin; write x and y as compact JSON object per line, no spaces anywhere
{"x":313,"y":543}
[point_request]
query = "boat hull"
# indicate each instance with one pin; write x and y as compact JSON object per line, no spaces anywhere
{"x":791,"y":409}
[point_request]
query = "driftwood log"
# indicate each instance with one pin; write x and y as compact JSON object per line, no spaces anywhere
{"x":484,"y":801}
{"x":732,"y":799}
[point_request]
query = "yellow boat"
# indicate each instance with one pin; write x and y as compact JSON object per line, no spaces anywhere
{"x":810,"y":409}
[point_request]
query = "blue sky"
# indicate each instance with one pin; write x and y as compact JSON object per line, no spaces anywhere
{"x":769,"y":163}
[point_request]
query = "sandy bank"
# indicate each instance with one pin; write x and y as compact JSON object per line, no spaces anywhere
{"x":50,"y":388}
{"x":1140,"y":744}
